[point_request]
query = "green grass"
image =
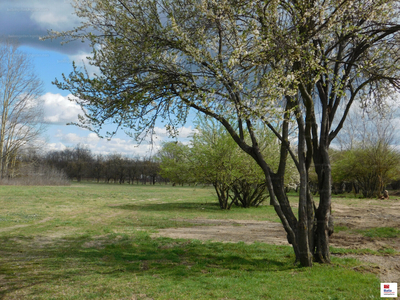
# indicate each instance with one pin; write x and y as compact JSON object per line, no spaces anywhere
{"x":90,"y":241}
{"x":377,"y":232}
{"x":341,"y":228}
{"x":380,"y":232}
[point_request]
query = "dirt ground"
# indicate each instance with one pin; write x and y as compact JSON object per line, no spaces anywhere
{"x":364,"y":215}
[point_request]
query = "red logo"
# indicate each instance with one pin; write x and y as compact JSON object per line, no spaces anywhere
{"x":386,"y":286}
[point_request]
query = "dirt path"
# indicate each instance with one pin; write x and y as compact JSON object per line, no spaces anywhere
{"x":366,"y":215}
{"x":24,"y":225}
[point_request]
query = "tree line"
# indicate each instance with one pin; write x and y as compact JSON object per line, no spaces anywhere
{"x":365,"y":166}
{"x":79,"y":164}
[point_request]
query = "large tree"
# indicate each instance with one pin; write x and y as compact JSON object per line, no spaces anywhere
{"x":21,"y":110}
{"x":296,"y":63}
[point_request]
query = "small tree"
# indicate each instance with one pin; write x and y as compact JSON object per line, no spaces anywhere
{"x":151,"y":169}
{"x":80,"y":162}
{"x":214,"y":158}
{"x":97,"y":167}
{"x":372,"y":167}
{"x":368,"y":160}
{"x":174,"y":163}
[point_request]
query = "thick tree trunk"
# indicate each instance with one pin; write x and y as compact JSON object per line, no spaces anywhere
{"x":300,"y":234}
{"x":323,"y":213}
{"x":305,"y":225}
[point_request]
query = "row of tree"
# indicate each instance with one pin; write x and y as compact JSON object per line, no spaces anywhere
{"x":80,"y":163}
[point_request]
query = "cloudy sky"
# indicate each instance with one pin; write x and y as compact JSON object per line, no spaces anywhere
{"x":25,"y":21}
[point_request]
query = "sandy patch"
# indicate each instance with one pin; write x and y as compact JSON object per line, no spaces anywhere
{"x":363,"y":216}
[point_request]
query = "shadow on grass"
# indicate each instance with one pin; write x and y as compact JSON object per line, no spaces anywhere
{"x":39,"y":264}
{"x":196,"y":207}
{"x":180,"y":206}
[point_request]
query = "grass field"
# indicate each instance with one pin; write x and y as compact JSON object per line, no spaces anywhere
{"x":92,"y":241}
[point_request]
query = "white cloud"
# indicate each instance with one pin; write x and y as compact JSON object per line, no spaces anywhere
{"x":55,"y":146}
{"x":121,"y":145}
{"x":186,"y":132}
{"x":50,"y":14}
{"x":81,"y":60}
{"x":59,"y":110}
{"x":161,"y":133}
{"x":103,"y":146}
{"x":28,"y":20}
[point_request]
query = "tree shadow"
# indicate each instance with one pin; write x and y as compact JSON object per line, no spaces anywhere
{"x":29,"y":265}
{"x":180,"y":206}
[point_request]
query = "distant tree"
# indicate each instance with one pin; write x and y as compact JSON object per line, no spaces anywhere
{"x":80,"y":162}
{"x":151,"y":168}
{"x":21,"y":110}
{"x":368,"y":158}
{"x":60,"y":160}
{"x":174,"y":163}
{"x":371,"y":166}
{"x":117,"y":167}
{"x":75,"y":162}
{"x":97,"y":167}
{"x":131,"y":171}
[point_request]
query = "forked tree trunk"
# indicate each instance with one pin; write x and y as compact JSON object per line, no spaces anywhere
{"x":300,"y":233}
{"x":309,"y":232}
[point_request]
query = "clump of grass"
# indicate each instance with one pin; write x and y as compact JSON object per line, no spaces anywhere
{"x":341,"y":228}
{"x":380,"y":232}
{"x":363,"y":251}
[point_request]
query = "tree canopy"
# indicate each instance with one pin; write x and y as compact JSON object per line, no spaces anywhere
{"x":283,"y":63}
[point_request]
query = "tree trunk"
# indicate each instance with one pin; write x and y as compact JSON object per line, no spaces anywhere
{"x":284,"y":211}
{"x":305,"y":225}
{"x":323,"y":213}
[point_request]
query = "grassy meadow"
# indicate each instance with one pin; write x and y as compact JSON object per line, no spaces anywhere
{"x":92,"y":241}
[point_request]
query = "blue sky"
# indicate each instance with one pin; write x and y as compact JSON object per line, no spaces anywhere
{"x":25,"y":21}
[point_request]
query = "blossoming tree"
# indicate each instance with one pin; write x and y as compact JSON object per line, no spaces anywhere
{"x":299,"y":64}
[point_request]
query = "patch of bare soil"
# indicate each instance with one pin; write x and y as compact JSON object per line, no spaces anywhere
{"x":365,"y":215}
{"x":229,"y":231}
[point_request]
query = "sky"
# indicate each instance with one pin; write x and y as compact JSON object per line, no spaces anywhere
{"x":25,"y":21}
